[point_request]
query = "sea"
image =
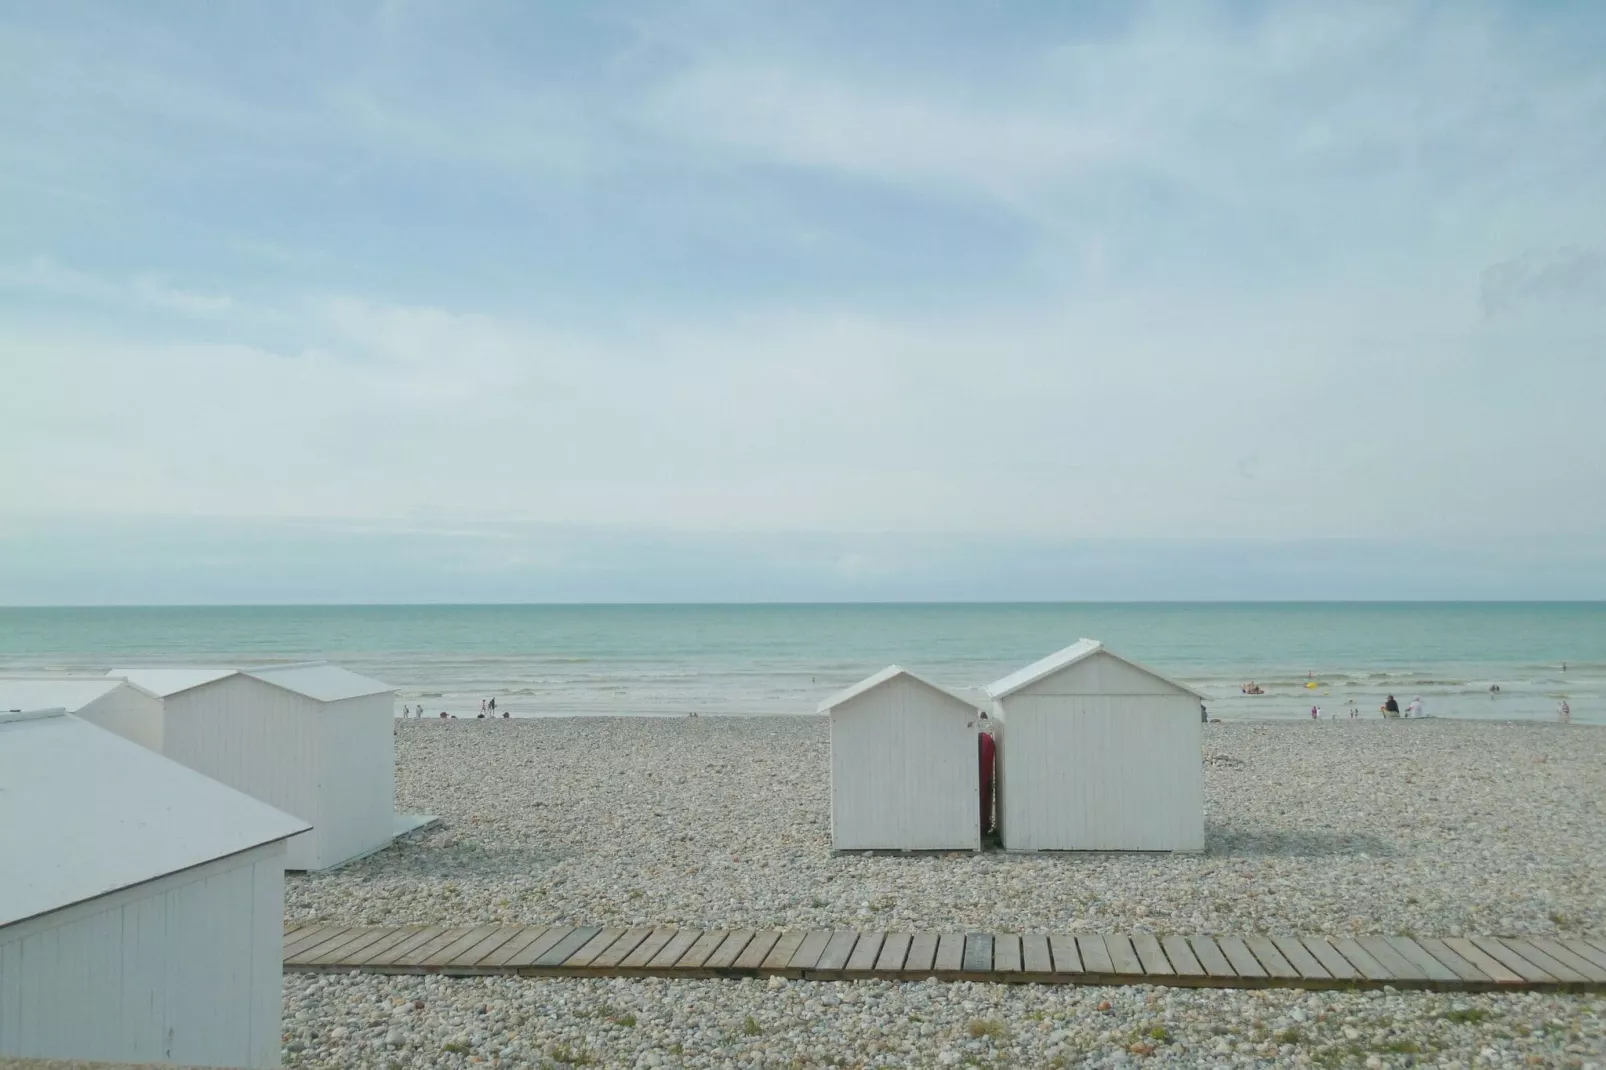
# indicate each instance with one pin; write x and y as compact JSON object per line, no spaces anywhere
{"x":676,"y":660}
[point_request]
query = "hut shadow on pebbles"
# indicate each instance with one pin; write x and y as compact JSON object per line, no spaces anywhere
{"x":1280,"y":843}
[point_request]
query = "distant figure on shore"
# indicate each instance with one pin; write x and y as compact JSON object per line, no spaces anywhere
{"x":1415,"y":708}
{"x":1252,"y":688}
{"x":493,"y":704}
{"x":443,"y":715}
{"x":1315,"y":713}
{"x":1494,"y":689}
{"x":1564,"y":712}
{"x":1204,"y":714}
{"x":407,"y":711}
{"x":1564,"y":666}
{"x":482,"y":706}
{"x":1390,"y":707}
{"x":504,"y":715}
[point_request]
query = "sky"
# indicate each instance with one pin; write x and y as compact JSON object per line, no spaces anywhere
{"x":498,"y":301}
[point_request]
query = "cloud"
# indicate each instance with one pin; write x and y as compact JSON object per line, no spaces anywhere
{"x":144,"y":292}
{"x":1544,"y":276}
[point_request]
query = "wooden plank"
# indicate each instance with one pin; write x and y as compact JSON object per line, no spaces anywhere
{"x":446,"y":955}
{"x":293,"y":927}
{"x":782,"y":952}
{"x":530,"y":953}
{"x":809,"y":951}
{"x":757,"y":950}
{"x":1492,"y":967}
{"x":317,"y":939}
{"x":865,"y":953}
{"x":502,"y":935}
{"x":678,"y":945}
{"x":377,"y":951}
{"x":1362,"y":959}
{"x":1066,"y":958}
{"x":1596,"y":942}
{"x":1528,"y":971}
{"x":922,"y":953}
{"x":587,"y":956}
{"x":498,"y":958}
{"x":1334,"y":963}
{"x":312,"y":935}
{"x":1403,"y":969}
{"x":1421,"y":959}
{"x":950,"y":953}
{"x":300,"y":932}
{"x":1183,"y":960}
{"x":894,"y":950}
{"x":725,"y":955}
{"x":703,"y":950}
{"x":1151,"y":955}
{"x":978,"y":953}
{"x":1561,"y":971}
{"x":343,"y":952}
{"x":1464,"y":970}
{"x":1095,"y":956}
{"x":1582,"y":949}
{"x":1558,"y":952}
{"x":1035,"y":955}
{"x":1242,"y":959}
{"x":1006,"y":953}
{"x":620,"y":949}
{"x":1271,"y":959}
{"x":1123,"y":956}
{"x":835,"y":955}
{"x":1300,"y":958}
{"x":1210,"y":957}
{"x":421,"y":953}
{"x":647,"y":950}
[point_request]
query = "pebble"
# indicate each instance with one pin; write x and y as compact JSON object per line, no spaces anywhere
{"x":1430,"y":827}
{"x":704,"y":1023}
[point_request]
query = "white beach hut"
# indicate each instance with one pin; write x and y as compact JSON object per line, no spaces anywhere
{"x":141,"y":906}
{"x":115,"y":705}
{"x":1096,"y":753}
{"x":904,"y":766}
{"x":314,"y":740}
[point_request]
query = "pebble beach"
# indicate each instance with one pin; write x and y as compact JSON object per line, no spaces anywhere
{"x":1431,"y":827}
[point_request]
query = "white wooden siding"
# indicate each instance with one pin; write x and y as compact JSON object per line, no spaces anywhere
{"x":187,"y":968}
{"x":1102,"y":674}
{"x":357,"y":797}
{"x":1102,"y":772}
{"x":259,"y":739}
{"x":904,"y":771}
{"x":130,"y":713}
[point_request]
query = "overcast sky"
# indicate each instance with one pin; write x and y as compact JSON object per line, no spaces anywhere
{"x":851,"y":300}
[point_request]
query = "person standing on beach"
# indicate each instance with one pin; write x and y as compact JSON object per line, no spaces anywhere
{"x":1564,"y":712}
{"x":493,"y":704}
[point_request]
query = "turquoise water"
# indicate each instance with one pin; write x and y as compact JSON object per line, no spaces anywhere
{"x":561,"y":660}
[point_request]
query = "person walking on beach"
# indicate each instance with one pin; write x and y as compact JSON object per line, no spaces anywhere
{"x":1564,"y":712}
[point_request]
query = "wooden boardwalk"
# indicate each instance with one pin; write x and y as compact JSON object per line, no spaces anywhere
{"x":1479,"y":963}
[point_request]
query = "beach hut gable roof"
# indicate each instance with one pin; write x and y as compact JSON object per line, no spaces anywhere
{"x":171,"y":681}
{"x":129,"y":814}
{"x":890,"y":673}
{"x":314,"y":679}
{"x":322,"y":681}
{"x":1061,"y":660}
{"x":70,"y":693}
